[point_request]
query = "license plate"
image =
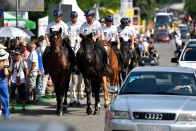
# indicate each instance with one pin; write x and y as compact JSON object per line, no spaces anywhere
{"x":152,"y":128}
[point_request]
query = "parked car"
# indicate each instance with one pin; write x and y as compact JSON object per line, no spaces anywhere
{"x":187,"y":57}
{"x":162,"y":35}
{"x":150,"y":100}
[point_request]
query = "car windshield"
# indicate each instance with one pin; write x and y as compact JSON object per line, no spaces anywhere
{"x":189,"y":54}
{"x":184,"y":31}
{"x":165,"y":83}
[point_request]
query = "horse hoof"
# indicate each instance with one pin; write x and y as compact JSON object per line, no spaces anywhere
{"x":60,"y":113}
{"x":96,"y":113}
{"x":65,"y":110}
{"x":89,"y":111}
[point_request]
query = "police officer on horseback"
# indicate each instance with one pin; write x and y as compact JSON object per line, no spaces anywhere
{"x":55,"y":26}
{"x":93,"y":26}
{"x":109,"y":32}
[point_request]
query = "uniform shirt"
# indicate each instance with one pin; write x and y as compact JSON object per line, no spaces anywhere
{"x":73,"y":34}
{"x":21,"y":66}
{"x":132,"y":30}
{"x":95,"y":28}
{"x":33,"y":57}
{"x":109,"y":33}
{"x":56,"y":26}
{"x":125,"y":33}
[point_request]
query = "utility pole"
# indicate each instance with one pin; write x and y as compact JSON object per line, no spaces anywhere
{"x":16,"y":13}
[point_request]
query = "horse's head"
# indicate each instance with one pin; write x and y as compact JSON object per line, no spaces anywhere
{"x":56,"y":38}
{"x":87,"y":44}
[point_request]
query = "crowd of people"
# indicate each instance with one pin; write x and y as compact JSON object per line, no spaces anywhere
{"x":22,"y":66}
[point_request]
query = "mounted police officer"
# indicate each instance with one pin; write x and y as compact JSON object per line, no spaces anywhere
{"x":109,"y":32}
{"x":77,"y":79}
{"x":55,"y":26}
{"x":93,"y":26}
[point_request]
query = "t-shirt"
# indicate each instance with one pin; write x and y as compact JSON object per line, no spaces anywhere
{"x":40,"y":64}
{"x":109,"y":33}
{"x":94,"y":28}
{"x":20,"y":66}
{"x":125,"y":33}
{"x":33,"y":57}
{"x":56,"y":26}
{"x":73,"y":34}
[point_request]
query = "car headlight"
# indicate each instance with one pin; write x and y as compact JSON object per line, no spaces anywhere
{"x":109,"y":114}
{"x":121,"y":115}
{"x":152,"y":62}
{"x":187,"y":34}
{"x":187,"y":117}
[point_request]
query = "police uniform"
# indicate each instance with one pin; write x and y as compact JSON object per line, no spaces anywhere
{"x":56,"y":26}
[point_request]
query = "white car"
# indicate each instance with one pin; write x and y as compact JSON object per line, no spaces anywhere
{"x":188,"y":56}
{"x":154,"y":99}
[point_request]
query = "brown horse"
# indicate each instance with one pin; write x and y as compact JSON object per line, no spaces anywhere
{"x":114,"y":67}
{"x":59,"y":69}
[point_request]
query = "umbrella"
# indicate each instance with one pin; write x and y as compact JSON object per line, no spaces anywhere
{"x":12,"y":32}
{"x":26,"y":30}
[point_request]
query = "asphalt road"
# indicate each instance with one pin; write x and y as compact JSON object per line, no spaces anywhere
{"x":76,"y":117}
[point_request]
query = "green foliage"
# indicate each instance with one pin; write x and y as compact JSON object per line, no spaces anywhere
{"x":147,"y":8}
{"x":190,"y":6}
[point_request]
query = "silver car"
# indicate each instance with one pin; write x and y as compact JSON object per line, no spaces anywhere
{"x":154,"y":99}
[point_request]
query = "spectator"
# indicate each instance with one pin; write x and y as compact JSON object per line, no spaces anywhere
{"x":4,"y":93}
{"x":42,"y":44}
{"x":24,"y":51}
{"x":32,"y":63}
{"x":19,"y":71}
{"x":40,"y":71}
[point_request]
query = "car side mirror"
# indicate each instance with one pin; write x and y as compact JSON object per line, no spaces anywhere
{"x":174,"y":60}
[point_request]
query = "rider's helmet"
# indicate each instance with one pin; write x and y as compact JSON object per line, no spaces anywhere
{"x":124,"y":21}
{"x":109,"y":18}
{"x":74,"y":14}
{"x":89,"y":12}
{"x":101,"y":20}
{"x":58,"y":13}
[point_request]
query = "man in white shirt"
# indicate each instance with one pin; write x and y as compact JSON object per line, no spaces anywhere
{"x":125,"y":32}
{"x":93,"y":26}
{"x":109,"y":32}
{"x":32,"y":63}
{"x":76,"y":78}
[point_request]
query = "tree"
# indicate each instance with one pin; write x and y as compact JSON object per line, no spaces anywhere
{"x":147,"y":8}
{"x":190,"y":7}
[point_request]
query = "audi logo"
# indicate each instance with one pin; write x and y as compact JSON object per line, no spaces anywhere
{"x":153,"y":116}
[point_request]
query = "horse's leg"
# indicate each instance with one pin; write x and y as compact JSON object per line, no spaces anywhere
{"x":65,"y":86}
{"x":96,"y":88}
{"x":106,"y":93}
{"x":72,"y":90}
{"x":88,"y":95}
{"x":57,"y":92}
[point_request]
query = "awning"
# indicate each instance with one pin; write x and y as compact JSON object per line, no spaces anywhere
{"x":28,"y":23}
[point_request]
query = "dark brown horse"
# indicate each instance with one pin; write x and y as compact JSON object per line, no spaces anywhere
{"x":130,"y":57}
{"x":58,"y":65}
{"x":89,"y":61}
